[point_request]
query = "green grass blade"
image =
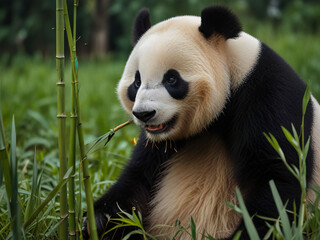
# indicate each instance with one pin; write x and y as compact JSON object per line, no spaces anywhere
{"x":252,"y":231}
{"x":281,"y":210}
{"x":237,"y":236}
{"x":14,"y":204}
{"x":4,"y":159}
{"x":34,"y":188}
{"x":48,"y":198}
{"x":193,"y":229}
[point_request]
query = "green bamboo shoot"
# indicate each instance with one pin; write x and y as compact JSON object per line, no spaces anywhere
{"x":86,"y":175}
{"x":63,"y":227}
{"x":73,"y":127}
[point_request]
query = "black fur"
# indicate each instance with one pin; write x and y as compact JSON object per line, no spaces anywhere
{"x":270,"y":97}
{"x":177,"y":89}
{"x":135,"y":184}
{"x":141,"y":25}
{"x":133,"y":88}
{"x":219,"y":20}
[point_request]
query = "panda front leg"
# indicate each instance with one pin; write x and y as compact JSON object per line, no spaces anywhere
{"x":132,"y":189}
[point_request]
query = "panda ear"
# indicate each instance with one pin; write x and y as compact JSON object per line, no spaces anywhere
{"x":141,"y":25}
{"x":219,"y":20}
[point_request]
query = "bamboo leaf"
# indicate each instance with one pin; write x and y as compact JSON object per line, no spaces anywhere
{"x":274,"y":143}
{"x":306,"y":99}
{"x":48,"y":198}
{"x":131,"y":233}
{"x":291,"y":139}
{"x":252,"y":231}
{"x":234,"y":207}
{"x":193,"y":229}
{"x":281,"y":210}
{"x":103,"y":140}
{"x":99,"y":143}
{"x":236,"y":236}
{"x":295,"y":134}
{"x":114,"y":228}
{"x":306,"y":150}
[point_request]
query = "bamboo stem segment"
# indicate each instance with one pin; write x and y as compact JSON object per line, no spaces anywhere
{"x":83,"y":163}
{"x":63,"y":227}
{"x":73,"y":127}
{"x":86,"y":176}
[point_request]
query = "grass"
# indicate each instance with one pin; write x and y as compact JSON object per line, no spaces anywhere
{"x":28,"y":92}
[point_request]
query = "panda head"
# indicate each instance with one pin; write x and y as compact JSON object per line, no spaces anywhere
{"x":177,"y":78}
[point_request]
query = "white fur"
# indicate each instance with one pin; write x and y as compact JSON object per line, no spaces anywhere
{"x":316,"y":148}
{"x":243,"y":55}
{"x":156,"y":98}
{"x":178,"y":44}
{"x":198,"y":182}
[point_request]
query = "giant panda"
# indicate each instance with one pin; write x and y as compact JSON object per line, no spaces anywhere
{"x":203,"y":93}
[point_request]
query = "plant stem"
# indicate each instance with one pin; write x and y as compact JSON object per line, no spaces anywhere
{"x":83,"y":163}
{"x":86,"y":174}
{"x":63,"y":227}
{"x":73,"y":133}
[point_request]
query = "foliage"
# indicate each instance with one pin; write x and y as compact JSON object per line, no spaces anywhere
{"x":21,"y":30}
{"x":27,"y":91}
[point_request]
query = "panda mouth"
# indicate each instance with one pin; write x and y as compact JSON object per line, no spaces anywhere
{"x":161,"y":128}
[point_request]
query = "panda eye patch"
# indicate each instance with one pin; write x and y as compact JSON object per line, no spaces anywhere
{"x":133,"y":88}
{"x":176,"y":86}
{"x":137,"y":79}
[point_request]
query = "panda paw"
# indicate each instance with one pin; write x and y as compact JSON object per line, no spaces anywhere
{"x":102,"y":224}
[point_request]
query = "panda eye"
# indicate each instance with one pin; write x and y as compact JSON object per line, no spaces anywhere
{"x":137,"y":80}
{"x":171,"y":80}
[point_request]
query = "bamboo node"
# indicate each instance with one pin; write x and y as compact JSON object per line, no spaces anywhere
{"x":63,"y":217}
{"x":59,"y":9}
{"x":86,"y":178}
{"x":60,"y":56}
{"x":62,"y":115}
{"x":72,"y":211}
{"x":60,"y":83}
{"x":72,"y":233}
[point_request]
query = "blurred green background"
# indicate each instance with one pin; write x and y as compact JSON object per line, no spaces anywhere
{"x":28,"y":72}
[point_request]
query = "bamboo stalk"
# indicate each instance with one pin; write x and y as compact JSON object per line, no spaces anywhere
{"x":73,"y":126}
{"x":83,"y":163}
{"x":86,"y":174}
{"x":63,"y":227}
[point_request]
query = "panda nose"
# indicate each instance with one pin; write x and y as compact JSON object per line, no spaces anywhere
{"x":144,"y":116}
